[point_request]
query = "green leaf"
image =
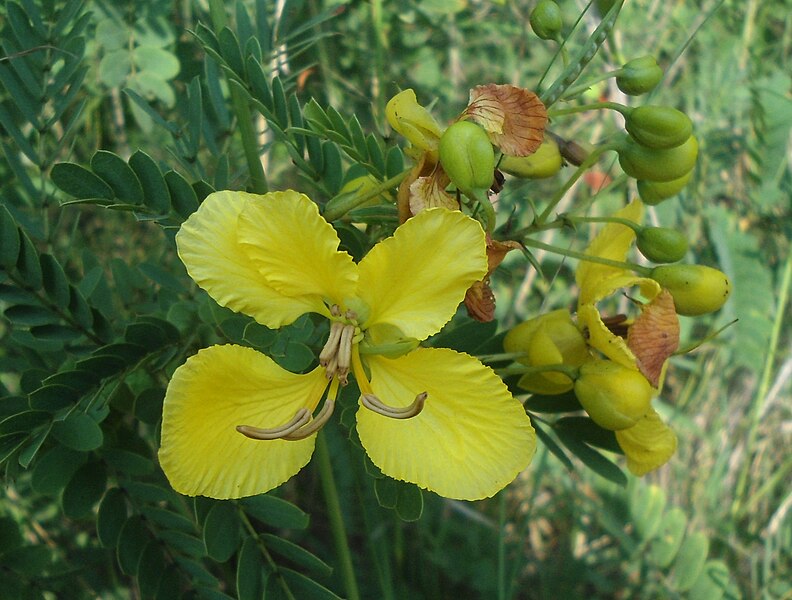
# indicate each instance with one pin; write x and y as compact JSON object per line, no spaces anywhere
{"x":28,"y":263}
{"x":132,"y":541}
{"x":9,"y":239}
{"x":25,"y":315}
{"x":589,"y":432}
{"x":690,"y":560}
{"x":387,"y":492}
{"x":647,"y":505}
{"x":230,"y":51}
{"x":84,"y":490}
{"x":56,"y":333}
{"x":279,"y":103}
{"x":221,"y":531}
{"x":56,"y":285}
{"x":184,"y":542}
{"x":10,"y":537}
{"x":10,"y":443}
{"x":126,"y":461}
{"x":151,"y":568}
{"x":559,"y":403}
{"x":183,"y":197}
{"x":155,"y":191}
{"x":712,"y":583}
{"x":275,"y":511}
{"x":410,"y":504}
{"x":111,"y":517}
{"x":118,"y":175}
{"x":167,"y":519}
{"x":249,"y":582}
{"x":669,"y":538}
{"x":80,"y":182}
{"x":296,"y":554}
{"x":591,"y":458}
{"x":158,"y":61}
{"x":148,"y":405}
{"x":79,"y":308}
{"x":23,"y":422}
{"x":102,"y":366}
{"x":79,"y":432}
{"x":306,"y":588}
{"x":53,"y":397}
{"x":80,"y":381}
{"x":55,"y":469}
{"x":115,"y":67}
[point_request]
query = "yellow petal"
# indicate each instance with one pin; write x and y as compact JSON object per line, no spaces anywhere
{"x":208,"y":246}
{"x":216,"y":390}
{"x":648,"y":445}
{"x":472,"y":437}
{"x":295,"y":249}
{"x":413,"y":121}
{"x":415,"y":280}
{"x":612,"y":242}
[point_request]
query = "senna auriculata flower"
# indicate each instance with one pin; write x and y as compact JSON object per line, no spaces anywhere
{"x":237,"y":424}
{"x":642,"y":344}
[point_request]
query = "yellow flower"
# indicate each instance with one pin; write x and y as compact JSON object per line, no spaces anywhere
{"x":236,"y":424}
{"x":650,"y":443}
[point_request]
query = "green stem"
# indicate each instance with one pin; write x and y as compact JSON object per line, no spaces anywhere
{"x":643,"y":271}
{"x":572,"y":110}
{"x":247,"y":133}
{"x":582,"y":87}
{"x":502,"y":585}
{"x":591,"y":159}
{"x":265,"y":553}
{"x":336,"y":518}
{"x":580,"y":219}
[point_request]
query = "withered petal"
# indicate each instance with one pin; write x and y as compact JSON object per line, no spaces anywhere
{"x":654,"y":336}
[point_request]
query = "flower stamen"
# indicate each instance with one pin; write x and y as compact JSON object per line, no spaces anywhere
{"x":331,"y":346}
{"x":315,"y":425}
{"x":301,"y":418}
{"x":373,"y":403}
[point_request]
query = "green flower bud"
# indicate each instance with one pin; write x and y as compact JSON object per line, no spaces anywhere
{"x":467,"y":156}
{"x":662,"y":244}
{"x":658,"y":126}
{"x":545,"y":162}
{"x":641,"y":162}
{"x":697,"y":289}
{"x":614,"y":396}
{"x":550,"y":339}
{"x":639,"y":76}
{"x":546,"y":20}
{"x":654,"y":192}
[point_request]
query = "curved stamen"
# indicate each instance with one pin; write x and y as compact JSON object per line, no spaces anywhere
{"x":373,"y":403}
{"x":331,"y":346}
{"x":316,"y":424}
{"x":301,"y":417}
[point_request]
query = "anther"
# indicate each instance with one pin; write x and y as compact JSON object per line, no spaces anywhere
{"x":373,"y":403}
{"x":331,"y":346}
{"x":315,"y":425}
{"x":301,"y":418}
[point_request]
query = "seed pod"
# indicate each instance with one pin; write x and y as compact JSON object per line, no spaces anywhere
{"x":662,"y":244}
{"x":467,"y":156}
{"x":614,"y":396}
{"x":545,"y":162}
{"x":639,"y":76}
{"x":654,"y":192}
{"x":658,"y":126}
{"x":546,"y":19}
{"x":652,"y":164}
{"x":697,"y":289}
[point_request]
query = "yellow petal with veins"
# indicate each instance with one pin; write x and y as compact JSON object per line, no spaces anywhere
{"x":295,"y":249}
{"x":648,"y":445}
{"x":612,"y":242}
{"x":216,"y":390}
{"x":208,"y":246}
{"x":415,"y":280}
{"x":472,"y":437}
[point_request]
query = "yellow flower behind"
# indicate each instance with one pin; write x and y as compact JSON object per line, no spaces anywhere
{"x":236,"y":424}
{"x":650,"y":443}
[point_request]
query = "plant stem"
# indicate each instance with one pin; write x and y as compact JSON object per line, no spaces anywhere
{"x":337,"y":209}
{"x":258,"y":179}
{"x":572,"y":110}
{"x":580,"y":219}
{"x":336,"y":518}
{"x":644,"y":271}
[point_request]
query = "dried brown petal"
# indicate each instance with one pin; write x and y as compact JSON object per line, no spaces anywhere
{"x":513,"y":117}
{"x":429,"y":192}
{"x":480,"y":301}
{"x":654,"y":336}
{"x":497,"y":251}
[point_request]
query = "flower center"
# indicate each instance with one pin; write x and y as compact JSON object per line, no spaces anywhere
{"x":339,"y":354}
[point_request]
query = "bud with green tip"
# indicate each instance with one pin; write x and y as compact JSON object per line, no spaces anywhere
{"x":546,"y":19}
{"x":697,"y":289}
{"x":654,"y":192}
{"x":467,"y":157}
{"x":545,"y":162}
{"x":639,"y":76}
{"x":662,"y":244}
{"x":614,"y":396}
{"x":654,"y":164}
{"x":658,"y":126}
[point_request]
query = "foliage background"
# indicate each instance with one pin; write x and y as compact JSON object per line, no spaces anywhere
{"x":98,"y":311}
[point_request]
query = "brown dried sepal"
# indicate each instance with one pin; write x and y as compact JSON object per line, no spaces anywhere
{"x":429,"y":192}
{"x":513,"y":117}
{"x":426,"y":167}
{"x":654,"y":336}
{"x":480,"y":299}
